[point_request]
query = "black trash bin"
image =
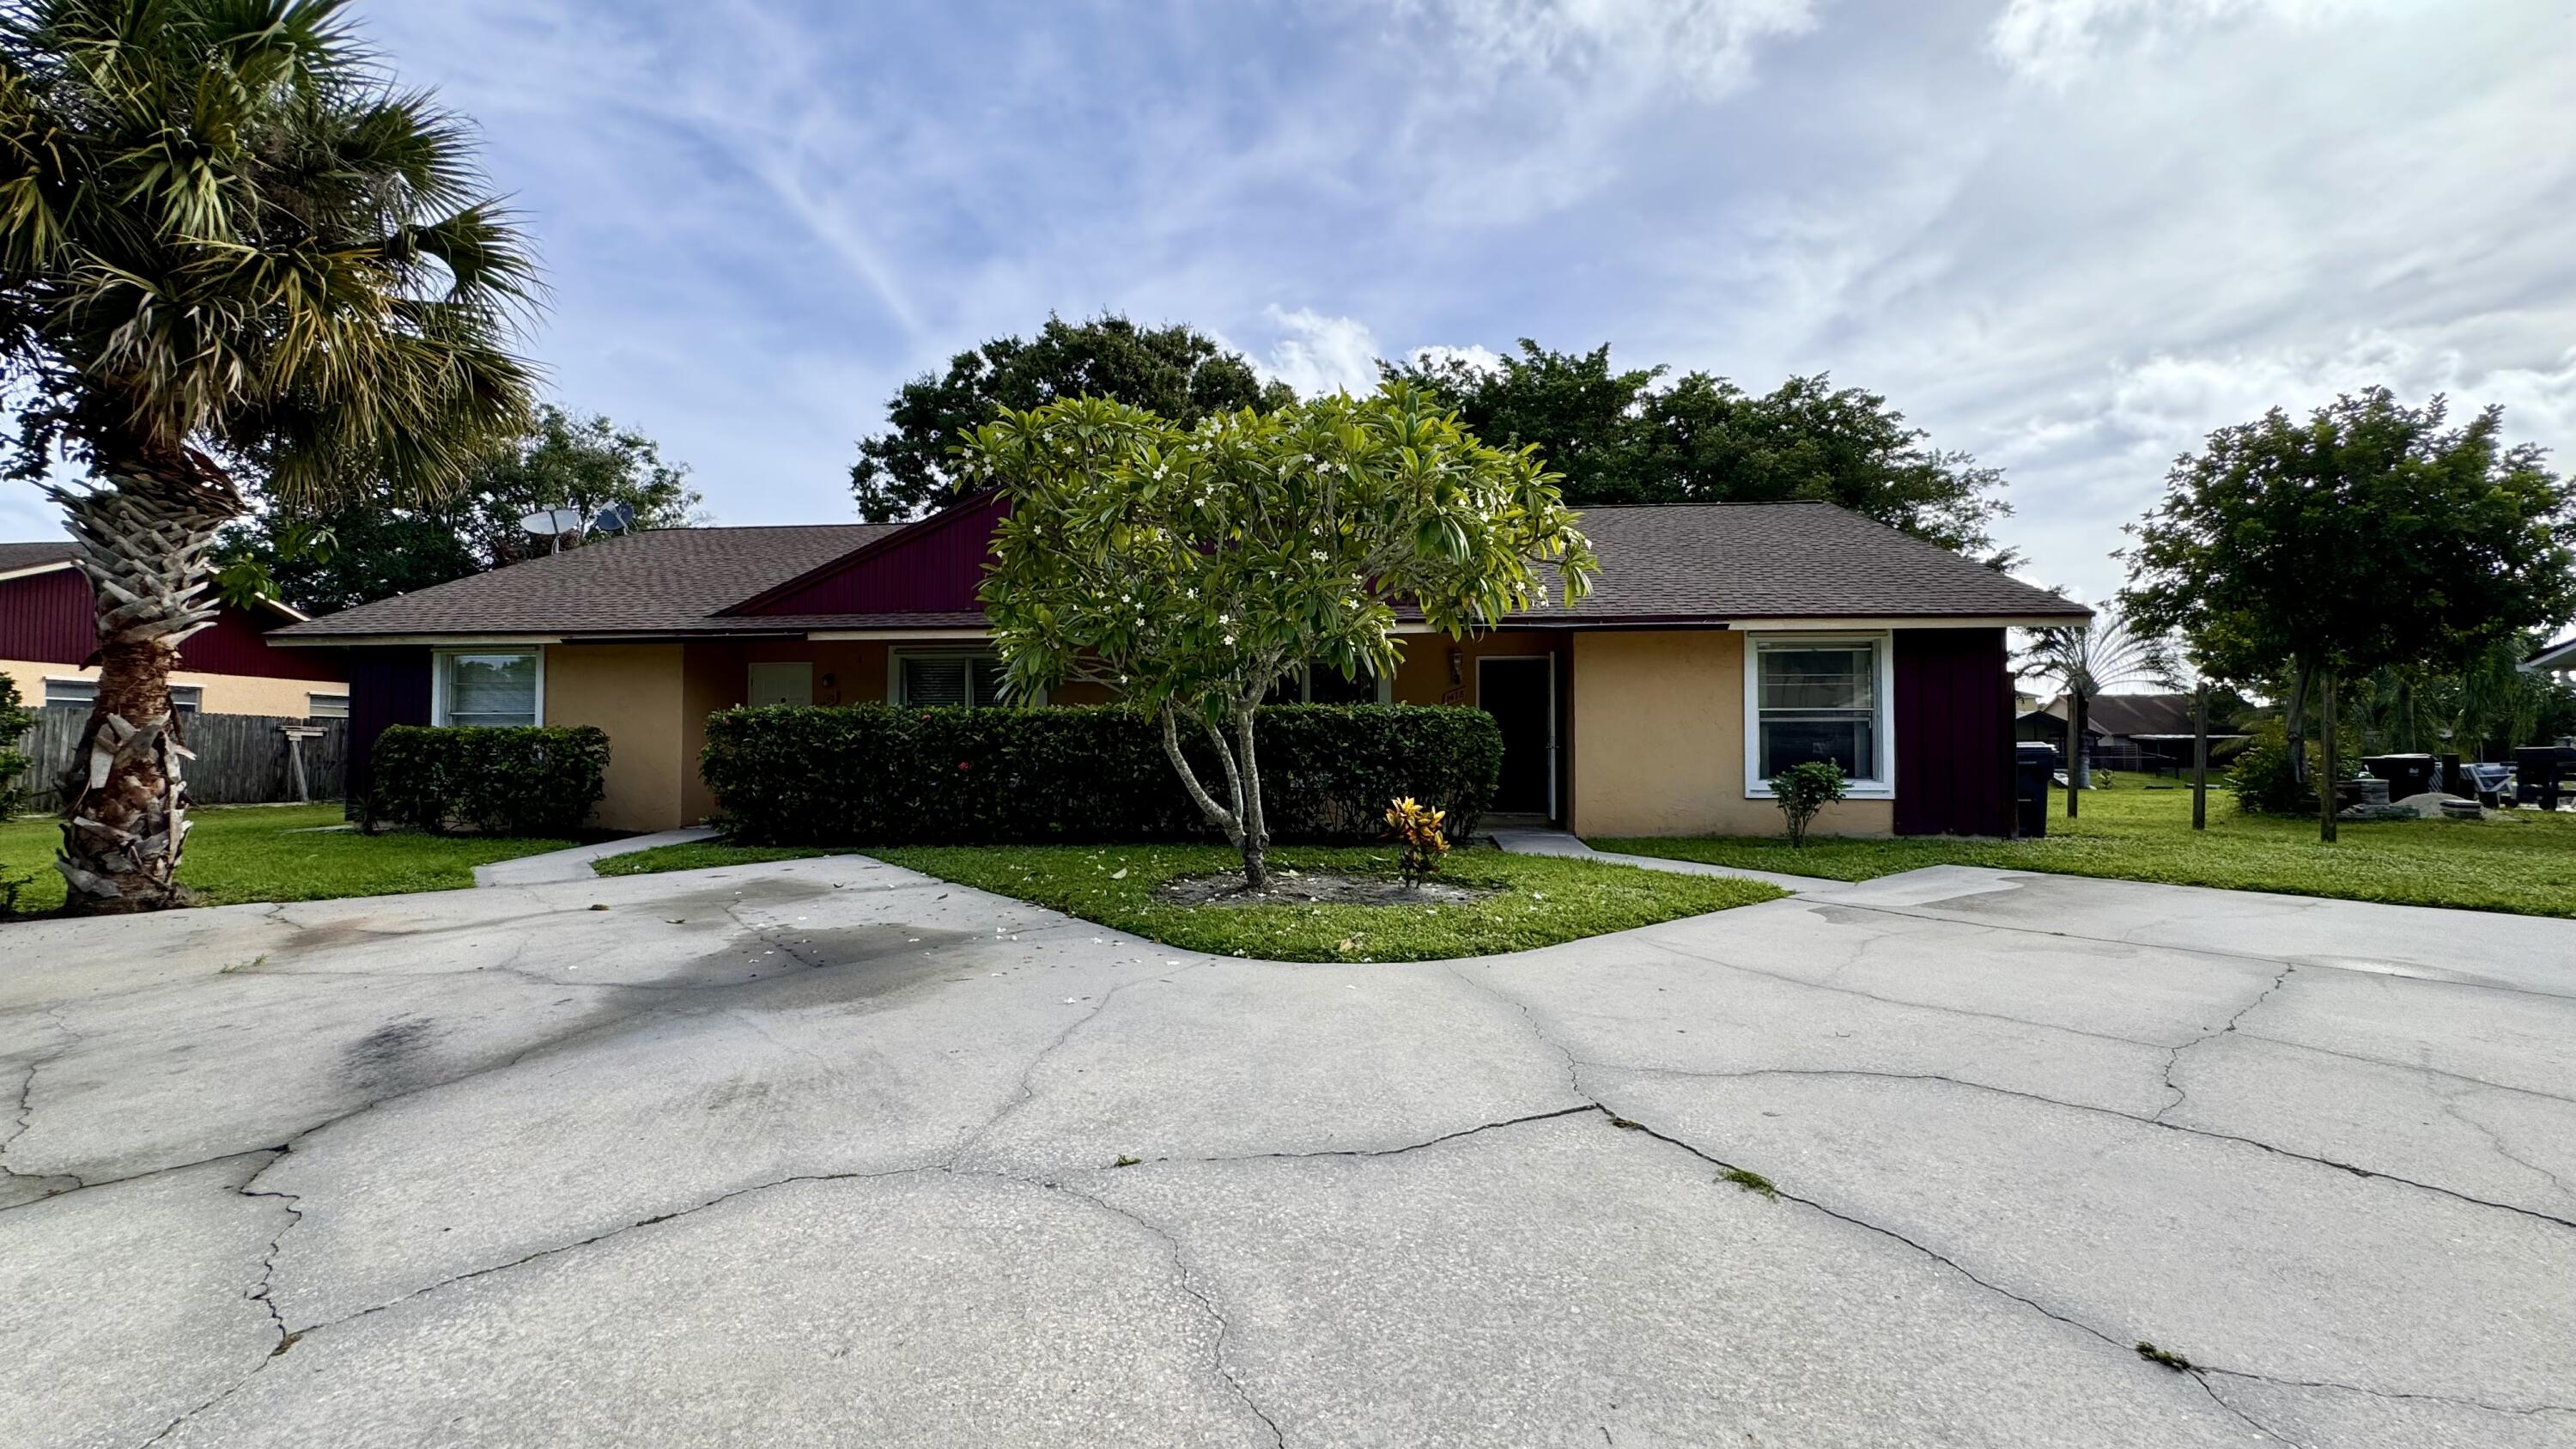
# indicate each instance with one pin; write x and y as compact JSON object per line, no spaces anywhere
{"x":2034,"y":761}
{"x":2541,"y":773}
{"x":2406,"y":775}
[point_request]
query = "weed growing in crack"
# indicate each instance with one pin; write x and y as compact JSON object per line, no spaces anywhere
{"x":1749,"y":1181}
{"x":1624,"y":1125}
{"x":1126,"y":1161}
{"x":2155,"y":1355}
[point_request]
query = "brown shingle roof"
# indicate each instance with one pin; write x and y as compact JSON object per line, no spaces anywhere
{"x":1723,"y":561}
{"x":16,"y":556}
{"x":662,"y":581}
{"x":1679,"y":563}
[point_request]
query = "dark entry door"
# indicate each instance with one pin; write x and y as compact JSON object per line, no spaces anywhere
{"x":1521,"y":696}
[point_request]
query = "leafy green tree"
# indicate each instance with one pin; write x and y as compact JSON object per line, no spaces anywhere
{"x":357,"y":553}
{"x":1803,"y":791}
{"x":1193,"y":567}
{"x":1175,"y":372}
{"x":226,"y":235}
{"x":1619,"y":437}
{"x":2368,"y":535}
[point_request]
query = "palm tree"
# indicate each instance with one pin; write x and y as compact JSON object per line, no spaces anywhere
{"x":2091,"y":659}
{"x":225,"y":240}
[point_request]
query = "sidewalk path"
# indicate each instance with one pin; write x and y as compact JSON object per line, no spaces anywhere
{"x":574,"y":864}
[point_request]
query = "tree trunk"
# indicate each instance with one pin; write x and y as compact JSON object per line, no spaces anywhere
{"x":144,"y":535}
{"x":2327,"y":768}
{"x":1256,"y":830}
{"x":2074,"y":751}
{"x":2200,"y":758}
{"x":2294,"y":720}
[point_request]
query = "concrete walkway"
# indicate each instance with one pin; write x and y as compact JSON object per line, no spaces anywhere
{"x":1558,"y":842}
{"x":826,"y":1152}
{"x":574,"y":864}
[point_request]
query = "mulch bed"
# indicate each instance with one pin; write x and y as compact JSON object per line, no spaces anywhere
{"x":1314,"y":888}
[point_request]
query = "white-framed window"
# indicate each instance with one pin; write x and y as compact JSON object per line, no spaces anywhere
{"x":945,"y":676}
{"x":1820,"y":697}
{"x":184,"y":698}
{"x":326,"y":706}
{"x":490,"y":688}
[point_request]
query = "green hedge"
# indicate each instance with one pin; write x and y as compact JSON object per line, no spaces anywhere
{"x":540,"y":781}
{"x":875,"y":774}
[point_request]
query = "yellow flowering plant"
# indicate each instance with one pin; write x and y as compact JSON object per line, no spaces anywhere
{"x":1421,"y":831}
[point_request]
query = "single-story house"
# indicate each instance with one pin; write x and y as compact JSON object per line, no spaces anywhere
{"x":49,"y":630}
{"x":2558,"y":658}
{"x":2129,"y":731}
{"x":1723,"y":643}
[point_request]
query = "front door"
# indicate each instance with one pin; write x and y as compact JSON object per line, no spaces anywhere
{"x":782,"y":684}
{"x":1520,"y":693}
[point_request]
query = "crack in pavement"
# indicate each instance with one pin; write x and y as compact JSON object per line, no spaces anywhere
{"x":1025,"y":1090}
{"x":2156,"y":1122}
{"x":2396,"y":1394}
{"x":2173,"y":1058}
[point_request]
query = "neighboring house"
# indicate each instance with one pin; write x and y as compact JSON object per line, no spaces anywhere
{"x":1723,"y":643}
{"x":49,"y":630}
{"x":2558,"y":658}
{"x":2129,"y":731}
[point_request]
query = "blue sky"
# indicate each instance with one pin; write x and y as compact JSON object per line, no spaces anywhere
{"x":2067,"y":235}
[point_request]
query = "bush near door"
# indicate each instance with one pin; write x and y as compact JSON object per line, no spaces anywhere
{"x":890,"y":774}
{"x":528,"y":781}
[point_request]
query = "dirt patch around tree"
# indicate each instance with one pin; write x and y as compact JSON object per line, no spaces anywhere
{"x":1315,"y":888}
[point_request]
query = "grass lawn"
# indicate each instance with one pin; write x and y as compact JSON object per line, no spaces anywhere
{"x":269,"y":853}
{"x":1539,"y":901}
{"x":2523,"y":861}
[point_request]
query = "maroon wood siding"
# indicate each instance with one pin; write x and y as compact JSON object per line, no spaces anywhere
{"x":1954,"y":733}
{"x":47,"y":618}
{"x":386,"y":687}
{"x":933,"y":567}
{"x":233,"y":645}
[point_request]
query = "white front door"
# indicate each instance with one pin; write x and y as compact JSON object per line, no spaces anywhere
{"x":782,"y":684}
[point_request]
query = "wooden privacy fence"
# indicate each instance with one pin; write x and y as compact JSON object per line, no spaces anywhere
{"x":242,"y":759}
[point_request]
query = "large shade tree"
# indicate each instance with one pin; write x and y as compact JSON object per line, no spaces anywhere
{"x":2367,"y":534}
{"x":356,"y":551}
{"x":1193,"y":568}
{"x":1632,"y":436}
{"x":225,"y":236}
{"x":1175,"y":372}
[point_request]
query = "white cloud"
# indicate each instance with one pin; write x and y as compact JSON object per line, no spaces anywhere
{"x":2054,"y":42}
{"x":1321,"y":354}
{"x":1706,"y":46}
{"x":1474,"y":355}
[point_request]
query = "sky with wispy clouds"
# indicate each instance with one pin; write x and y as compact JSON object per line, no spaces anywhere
{"x":2070,"y":236}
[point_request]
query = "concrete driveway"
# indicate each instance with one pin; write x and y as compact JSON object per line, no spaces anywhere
{"x":824,"y":1152}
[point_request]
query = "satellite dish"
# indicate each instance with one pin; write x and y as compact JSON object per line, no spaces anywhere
{"x":541,"y":522}
{"x":615,"y":518}
{"x":567,"y":520}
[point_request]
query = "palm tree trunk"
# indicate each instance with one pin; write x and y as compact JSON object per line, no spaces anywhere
{"x":145,"y":532}
{"x":2074,"y":752}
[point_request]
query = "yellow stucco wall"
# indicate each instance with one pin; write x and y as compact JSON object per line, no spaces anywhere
{"x":633,"y":691}
{"x":1661,"y":748}
{"x":219,"y":693}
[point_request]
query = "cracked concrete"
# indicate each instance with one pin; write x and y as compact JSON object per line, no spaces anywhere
{"x":825,"y":1151}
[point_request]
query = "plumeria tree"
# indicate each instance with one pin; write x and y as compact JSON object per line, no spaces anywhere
{"x":1193,"y":568}
{"x":227,"y":239}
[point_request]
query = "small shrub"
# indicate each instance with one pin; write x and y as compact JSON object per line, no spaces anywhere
{"x":1804,"y":789}
{"x":540,"y":781}
{"x":875,"y":774}
{"x":2260,"y":774}
{"x":1421,"y":838}
{"x":15,"y":718}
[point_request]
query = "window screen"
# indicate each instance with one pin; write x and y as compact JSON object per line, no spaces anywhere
{"x":71,"y":691}
{"x":490,"y":690}
{"x":974,"y":680}
{"x":1818,"y":702}
{"x":326,"y":706}
{"x":186,"y":698}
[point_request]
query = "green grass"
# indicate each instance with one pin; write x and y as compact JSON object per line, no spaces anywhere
{"x":253,"y":853}
{"x":2523,"y":862}
{"x":1538,"y":901}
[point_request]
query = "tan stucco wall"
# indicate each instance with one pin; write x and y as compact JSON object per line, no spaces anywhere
{"x":222,"y":693}
{"x":634,"y":692}
{"x":1661,"y":750}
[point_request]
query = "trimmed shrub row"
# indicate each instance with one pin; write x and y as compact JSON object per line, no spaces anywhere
{"x":540,"y":781}
{"x":875,"y":774}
